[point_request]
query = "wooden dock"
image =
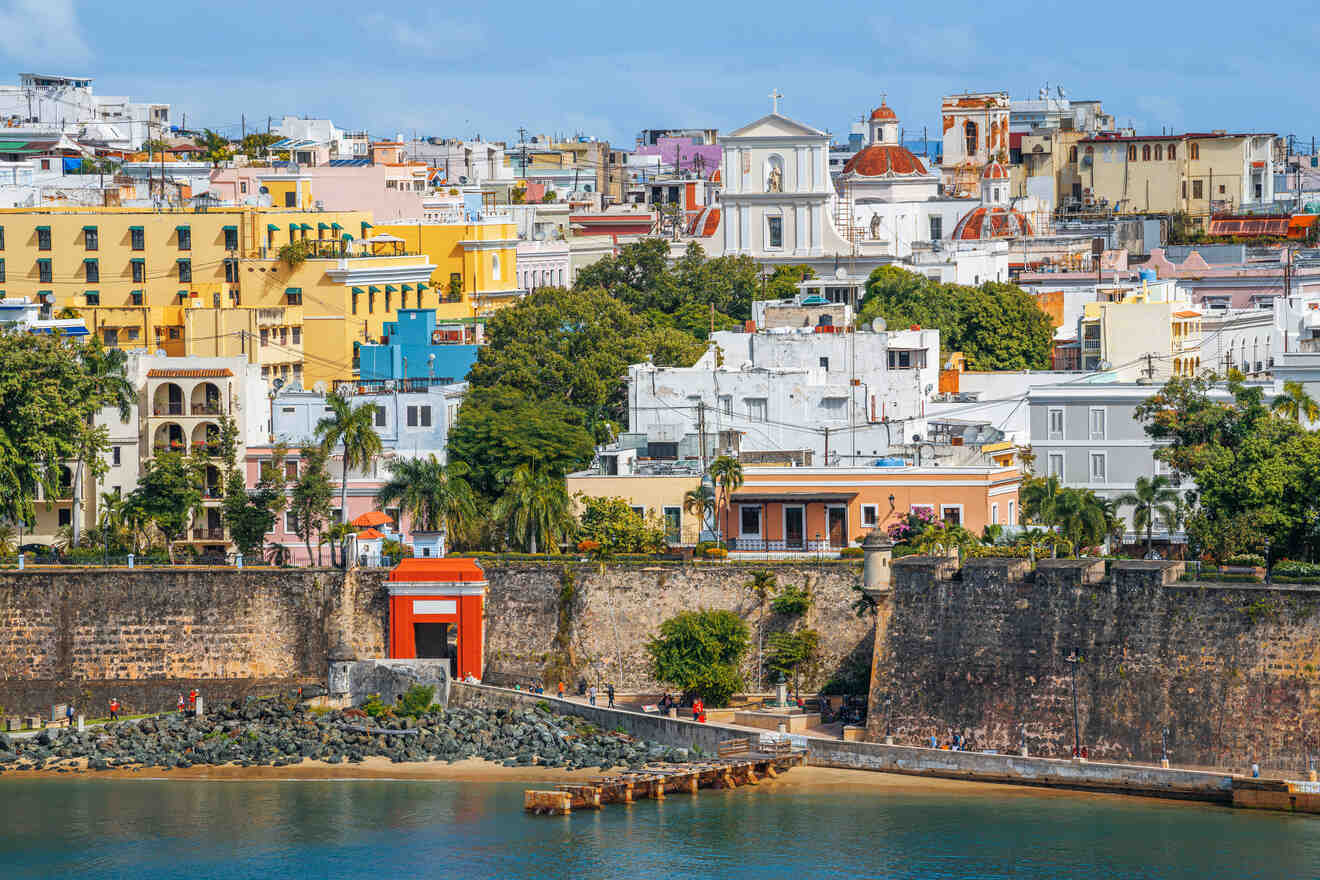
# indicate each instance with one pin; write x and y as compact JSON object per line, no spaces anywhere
{"x":735,"y":765}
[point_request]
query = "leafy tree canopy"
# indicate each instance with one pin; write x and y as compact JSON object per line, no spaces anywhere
{"x":997,"y":326}
{"x":701,"y":653}
{"x":617,"y":528}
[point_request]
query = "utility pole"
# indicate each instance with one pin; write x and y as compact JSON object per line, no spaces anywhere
{"x":242,"y":127}
{"x":701,"y":431}
{"x":1150,"y":366}
{"x":522,"y":147}
{"x":827,"y":448}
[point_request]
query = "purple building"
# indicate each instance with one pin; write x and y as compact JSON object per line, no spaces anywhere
{"x":685,"y":154}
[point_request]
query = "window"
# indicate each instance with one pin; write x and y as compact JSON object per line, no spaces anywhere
{"x":1054,"y":467}
{"x":1145,"y":153}
{"x":970,"y":138}
{"x":291,"y":470}
{"x":293,"y":296}
{"x":136,"y":297}
{"x":387,"y":301}
{"x":936,"y":228}
{"x":131,"y":333}
{"x":231,"y":271}
{"x":673,"y":524}
{"x":231,"y":239}
{"x":726,"y":404}
{"x":355,"y":296}
{"x":412,"y":416}
{"x":297,"y":335}
{"x":43,"y":238}
{"x":1194,"y":152}
{"x":870,"y":515}
{"x":43,"y":271}
{"x":290,"y":199}
{"x":425,"y":413}
{"x":175,"y":332}
{"x":1132,"y":152}
{"x":1099,"y":468}
{"x":137,"y":238}
{"x":1173,"y":152}
{"x":380,"y":417}
{"x":994,"y":514}
{"x":92,"y":271}
{"x":900,"y":360}
{"x":952,"y":515}
{"x":1072,"y":153}
{"x":1221,"y":189}
{"x":1159,"y":152}
{"x":242,"y":186}
{"x":89,"y":238}
{"x":114,"y":456}
{"x":185,"y":271}
{"x":757,"y":409}
{"x":495,"y":267}
{"x":1012,"y":505}
{"x":749,"y":520}
{"x":825,"y":363}
{"x":65,"y":516}
{"x":139,"y":271}
{"x":1055,"y":423}
{"x":2,"y":238}
{"x":290,"y":522}
{"x":2,"y":270}
{"x":1197,"y":190}
{"x":265,"y":337}
{"x":371,"y":301}
{"x":833,"y":407}
{"x":774,"y":232}
{"x":1097,"y":423}
{"x":185,"y":238}
{"x":92,"y":297}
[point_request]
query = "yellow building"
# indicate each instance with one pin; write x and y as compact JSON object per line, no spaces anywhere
{"x":653,"y":495}
{"x":1150,"y":330}
{"x":216,"y":283}
{"x":475,"y":255}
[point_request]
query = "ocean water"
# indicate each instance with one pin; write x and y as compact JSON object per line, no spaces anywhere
{"x":176,"y":828}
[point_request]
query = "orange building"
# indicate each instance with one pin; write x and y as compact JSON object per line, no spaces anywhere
{"x":437,"y":611}
{"x":822,"y":509}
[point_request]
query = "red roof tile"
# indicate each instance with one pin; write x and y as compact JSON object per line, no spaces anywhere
{"x":880,"y":159}
{"x":991,"y":222}
{"x":883,"y":112}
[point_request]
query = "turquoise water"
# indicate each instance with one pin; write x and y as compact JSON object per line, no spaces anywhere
{"x":145,"y":828}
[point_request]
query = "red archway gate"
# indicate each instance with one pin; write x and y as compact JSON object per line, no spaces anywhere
{"x":437,"y":609}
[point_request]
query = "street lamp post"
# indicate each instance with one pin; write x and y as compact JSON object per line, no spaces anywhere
{"x":1073,"y":660}
{"x":1164,"y":748}
{"x":889,"y":717}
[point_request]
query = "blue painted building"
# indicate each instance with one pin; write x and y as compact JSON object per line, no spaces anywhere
{"x":417,"y":349}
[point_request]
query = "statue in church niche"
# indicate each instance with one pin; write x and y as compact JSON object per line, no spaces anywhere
{"x":774,"y":176}
{"x":875,"y":226}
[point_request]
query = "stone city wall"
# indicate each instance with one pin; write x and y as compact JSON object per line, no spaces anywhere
{"x":1230,"y":669}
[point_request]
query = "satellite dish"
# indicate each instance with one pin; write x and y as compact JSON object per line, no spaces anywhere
{"x":319,"y":387}
{"x":879,"y":325}
{"x":278,"y":383}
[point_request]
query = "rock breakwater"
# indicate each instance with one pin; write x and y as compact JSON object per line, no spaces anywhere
{"x":266,"y":732}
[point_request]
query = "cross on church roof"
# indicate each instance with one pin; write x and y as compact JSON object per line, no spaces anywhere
{"x":775,"y":95}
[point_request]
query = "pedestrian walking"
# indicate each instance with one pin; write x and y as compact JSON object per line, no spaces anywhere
{"x":1255,"y":770}
{"x":180,"y":704}
{"x":609,"y":692}
{"x":114,"y":709}
{"x":192,"y":702}
{"x":561,"y":690}
{"x":68,"y":714}
{"x":591,"y":695}
{"x":698,"y":710}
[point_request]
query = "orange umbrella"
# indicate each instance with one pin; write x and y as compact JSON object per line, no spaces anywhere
{"x":369,"y":535}
{"x":373,"y":518}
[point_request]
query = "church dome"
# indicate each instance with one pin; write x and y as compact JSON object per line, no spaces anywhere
{"x":878,"y":160}
{"x":994,"y":171}
{"x":883,"y":114}
{"x":991,"y":221}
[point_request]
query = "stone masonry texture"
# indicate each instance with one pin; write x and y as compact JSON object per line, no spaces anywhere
{"x":1231,"y":670}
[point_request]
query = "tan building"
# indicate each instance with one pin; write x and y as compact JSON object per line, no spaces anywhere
{"x":1195,"y":174}
{"x":651,"y":491}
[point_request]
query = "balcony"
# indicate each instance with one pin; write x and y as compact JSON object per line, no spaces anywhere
{"x":208,"y":534}
{"x":172,"y":408}
{"x":207,"y":408}
{"x":170,"y":446}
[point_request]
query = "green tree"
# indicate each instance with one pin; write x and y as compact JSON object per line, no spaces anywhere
{"x":352,"y":430}
{"x":762,"y":585}
{"x":168,"y":493}
{"x":310,"y":499}
{"x":701,"y":653}
{"x":1153,"y":498}
{"x":154,"y":145}
{"x":251,"y":515}
{"x":727,"y":473}
{"x":257,"y":145}
{"x":700,"y":502}
{"x":501,"y":429}
{"x":997,"y":326}
{"x":783,"y":282}
{"x":943,"y":539}
{"x":1294,"y":403}
{"x":535,"y":510}
{"x":792,"y":652}
{"x":612,"y":523}
{"x":1080,"y":518}
{"x":217,"y":147}
{"x":1039,"y":495}
{"x":435,"y":496}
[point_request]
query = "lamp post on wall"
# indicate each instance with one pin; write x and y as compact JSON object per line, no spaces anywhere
{"x":1164,"y":747}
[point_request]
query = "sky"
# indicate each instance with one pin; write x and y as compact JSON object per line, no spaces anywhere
{"x":610,"y":70}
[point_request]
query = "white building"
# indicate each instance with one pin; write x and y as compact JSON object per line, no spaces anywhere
{"x":839,"y":396}
{"x":464,"y":162}
{"x":323,"y":132}
{"x":42,"y":103}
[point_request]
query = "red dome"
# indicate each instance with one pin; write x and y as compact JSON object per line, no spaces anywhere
{"x":880,"y":159}
{"x":991,"y":222}
{"x":883,"y":114}
{"x":994,"y":171}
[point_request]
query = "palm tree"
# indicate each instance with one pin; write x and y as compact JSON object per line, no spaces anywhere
{"x":728,"y":475}
{"x":943,"y":539}
{"x":435,"y":496}
{"x":700,"y":502}
{"x":7,"y":543}
{"x":535,"y":509}
{"x":761,"y":584}
{"x":353,"y":429}
{"x":1039,"y":497}
{"x":111,"y":521}
{"x":1079,"y":517}
{"x":1294,"y":403}
{"x":1153,"y":495}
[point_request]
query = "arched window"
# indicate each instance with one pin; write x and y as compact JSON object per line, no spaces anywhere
{"x":1072,"y":153}
{"x":1159,"y":152}
{"x":1173,"y":152}
{"x":969,"y":131}
{"x":495,"y":267}
{"x":1195,"y":152}
{"x":1145,"y":153}
{"x":1132,"y":152}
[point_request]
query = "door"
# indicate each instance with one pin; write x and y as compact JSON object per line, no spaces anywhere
{"x":795,"y":528}
{"x":432,"y":640}
{"x":838,"y":526}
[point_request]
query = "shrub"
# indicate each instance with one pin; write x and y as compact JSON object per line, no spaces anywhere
{"x":1291,"y":568}
{"x":417,"y":700}
{"x":375,"y":708}
{"x":701,"y":653}
{"x":1254,"y":560}
{"x":852,"y":553}
{"x":716,"y":553}
{"x":791,"y":601}
{"x":587,"y":545}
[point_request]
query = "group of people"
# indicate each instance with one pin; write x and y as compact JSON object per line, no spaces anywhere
{"x":534,"y":687}
{"x":591,"y":694}
{"x":954,"y":742}
{"x":668,"y":702}
{"x":191,"y":707}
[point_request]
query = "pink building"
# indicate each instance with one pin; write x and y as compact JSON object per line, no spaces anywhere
{"x":390,"y":191}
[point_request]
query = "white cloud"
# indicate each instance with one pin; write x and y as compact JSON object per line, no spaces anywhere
{"x":448,"y":37}
{"x":42,"y":31}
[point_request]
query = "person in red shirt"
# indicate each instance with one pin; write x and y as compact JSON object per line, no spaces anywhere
{"x":698,"y":710}
{"x":114,"y":709}
{"x":192,"y":701}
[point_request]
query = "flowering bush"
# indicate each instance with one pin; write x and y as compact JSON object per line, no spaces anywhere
{"x":588,"y":546}
{"x":911,"y":525}
{"x":716,"y":553}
